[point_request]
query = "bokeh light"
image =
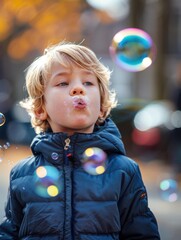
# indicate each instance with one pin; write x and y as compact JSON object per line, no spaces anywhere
{"x":112,"y":7}
{"x":147,"y":138}
{"x":169,"y":190}
{"x":94,"y":161}
{"x":153,"y":115}
{"x":2,"y":119}
{"x":176,"y":119}
{"x":132,"y":49}
{"x":47,"y":181}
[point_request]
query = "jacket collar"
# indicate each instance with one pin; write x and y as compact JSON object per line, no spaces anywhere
{"x":52,"y":145}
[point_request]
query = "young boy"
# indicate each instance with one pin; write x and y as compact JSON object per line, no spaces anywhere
{"x":69,"y":103}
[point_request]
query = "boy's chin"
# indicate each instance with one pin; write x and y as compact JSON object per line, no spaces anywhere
{"x":83,"y":127}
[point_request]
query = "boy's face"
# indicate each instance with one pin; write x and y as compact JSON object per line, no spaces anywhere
{"x":72,"y":100}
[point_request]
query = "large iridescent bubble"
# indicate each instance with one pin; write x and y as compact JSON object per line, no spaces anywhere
{"x":133,"y":49}
{"x":94,"y":161}
{"x":2,"y":119}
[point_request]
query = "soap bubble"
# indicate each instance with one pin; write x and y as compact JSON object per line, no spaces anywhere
{"x":54,"y":156}
{"x":94,"y":161}
{"x":6,"y":145}
{"x":169,"y":190}
{"x":47,"y":181}
{"x":2,"y":151}
{"x":2,"y":119}
{"x":132,"y":49}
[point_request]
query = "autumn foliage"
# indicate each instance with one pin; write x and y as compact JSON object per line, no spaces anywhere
{"x":31,"y":25}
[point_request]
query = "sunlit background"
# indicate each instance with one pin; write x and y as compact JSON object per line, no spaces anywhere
{"x":146,"y":63}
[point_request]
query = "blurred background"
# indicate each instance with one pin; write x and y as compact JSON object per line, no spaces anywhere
{"x":149,"y":110}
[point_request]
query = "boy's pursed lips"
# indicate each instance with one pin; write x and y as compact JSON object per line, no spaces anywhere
{"x":79,"y":102}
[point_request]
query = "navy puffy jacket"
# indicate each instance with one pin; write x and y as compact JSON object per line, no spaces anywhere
{"x":109,"y":206}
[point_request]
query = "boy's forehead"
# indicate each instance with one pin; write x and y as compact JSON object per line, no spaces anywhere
{"x":58,"y":68}
{"x":70,"y":67}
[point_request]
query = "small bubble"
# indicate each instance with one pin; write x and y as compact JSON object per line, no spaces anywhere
{"x":54,"y":156}
{"x":2,"y":119}
{"x":47,"y":181}
{"x":94,"y":161}
{"x":1,"y":153}
{"x":169,"y":190}
{"x":7,"y":145}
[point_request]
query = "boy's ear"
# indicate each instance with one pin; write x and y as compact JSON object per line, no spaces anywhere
{"x":41,"y":114}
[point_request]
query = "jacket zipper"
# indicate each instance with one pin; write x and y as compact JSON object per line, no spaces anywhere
{"x":68,"y":155}
{"x":67,"y":143}
{"x":66,"y":148}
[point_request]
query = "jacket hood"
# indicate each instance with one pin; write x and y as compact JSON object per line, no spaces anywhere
{"x":52,"y":145}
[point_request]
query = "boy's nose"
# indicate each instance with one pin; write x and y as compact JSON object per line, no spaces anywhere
{"x":77,"y":91}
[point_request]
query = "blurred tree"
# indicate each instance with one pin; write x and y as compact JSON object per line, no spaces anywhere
{"x":137,"y":9}
{"x":161,"y":30}
{"x":29,"y":25}
{"x":136,"y":13}
{"x":162,"y":16}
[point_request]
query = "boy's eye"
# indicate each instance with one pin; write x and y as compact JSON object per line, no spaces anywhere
{"x":62,"y":84}
{"x":88,"y":83}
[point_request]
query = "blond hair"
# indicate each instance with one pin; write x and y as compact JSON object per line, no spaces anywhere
{"x":65,"y":54}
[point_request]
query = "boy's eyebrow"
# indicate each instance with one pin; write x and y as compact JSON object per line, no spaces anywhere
{"x":66,"y":72}
{"x":87,"y":71}
{"x":60,"y":73}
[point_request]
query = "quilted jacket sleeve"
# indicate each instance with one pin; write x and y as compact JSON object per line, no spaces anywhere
{"x":137,"y":221}
{"x":9,"y":227}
